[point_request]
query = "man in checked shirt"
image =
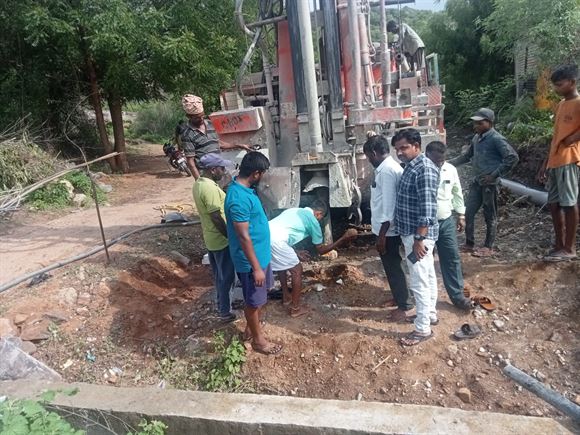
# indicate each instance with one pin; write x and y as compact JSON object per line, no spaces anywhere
{"x":416,"y":222}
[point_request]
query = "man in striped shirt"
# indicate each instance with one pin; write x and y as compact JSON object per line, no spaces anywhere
{"x":416,"y":222}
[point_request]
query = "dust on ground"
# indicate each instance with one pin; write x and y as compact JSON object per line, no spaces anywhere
{"x":146,"y":318}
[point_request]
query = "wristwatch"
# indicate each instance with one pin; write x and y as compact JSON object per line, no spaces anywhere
{"x":419,"y":237}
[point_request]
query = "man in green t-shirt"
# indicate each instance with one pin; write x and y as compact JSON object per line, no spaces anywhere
{"x":209,"y":199}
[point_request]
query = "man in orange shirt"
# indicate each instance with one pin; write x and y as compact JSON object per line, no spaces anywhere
{"x":562,"y":167}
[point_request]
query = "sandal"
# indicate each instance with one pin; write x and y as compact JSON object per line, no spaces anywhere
{"x":484,"y":302}
{"x":272,"y":349}
{"x":415,"y":338}
{"x":297,"y":311}
{"x":556,"y":257}
{"x":467,"y":332}
{"x":411,"y":319}
{"x":467,"y":248}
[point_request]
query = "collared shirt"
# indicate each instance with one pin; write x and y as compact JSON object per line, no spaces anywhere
{"x":209,"y":198}
{"x":490,"y":154}
{"x":243,"y":205}
{"x":294,"y":225}
{"x":449,"y":195}
{"x":417,"y":198}
{"x":384,"y":195}
{"x":196,"y":143}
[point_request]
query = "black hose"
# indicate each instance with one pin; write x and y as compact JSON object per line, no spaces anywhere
{"x":93,"y":251}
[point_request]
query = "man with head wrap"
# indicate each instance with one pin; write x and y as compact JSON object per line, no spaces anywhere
{"x":199,"y":138}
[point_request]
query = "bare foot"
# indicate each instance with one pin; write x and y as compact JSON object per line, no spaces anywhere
{"x":267,"y":348}
{"x":297,"y":311}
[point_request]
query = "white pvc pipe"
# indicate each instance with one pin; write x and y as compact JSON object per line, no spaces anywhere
{"x":309,"y":77}
{"x":536,"y":196}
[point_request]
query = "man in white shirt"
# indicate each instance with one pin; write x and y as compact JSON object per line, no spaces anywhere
{"x":383,"y":195}
{"x":449,"y":200}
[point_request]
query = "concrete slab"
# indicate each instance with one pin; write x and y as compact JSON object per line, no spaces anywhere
{"x":17,"y":364}
{"x":193,"y":412}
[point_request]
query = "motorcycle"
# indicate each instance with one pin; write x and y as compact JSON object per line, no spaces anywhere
{"x":176,"y":158}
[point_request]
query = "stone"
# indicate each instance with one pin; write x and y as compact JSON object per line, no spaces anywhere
{"x":499,"y":324}
{"x":450,"y":363}
{"x":180,"y":258}
{"x":164,"y":237}
{"x":28,"y":347}
{"x":19,"y":319}
{"x":36,"y":332}
{"x":464,"y":394}
{"x":67,"y":296}
{"x":70,"y":190}
{"x":453,"y":349}
{"x":57,"y":317}
{"x":107,"y":188}
{"x":83,"y":311}
{"x":556,"y":337}
{"x":7,"y":328}
{"x":577,"y":399}
{"x":428,"y":385}
{"x":359,"y":397}
{"x":383,"y":390}
{"x":84,"y":299}
{"x":15,"y":363}
{"x":79,"y":199}
{"x":540,"y":376}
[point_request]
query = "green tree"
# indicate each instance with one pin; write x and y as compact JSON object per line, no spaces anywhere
{"x":553,"y":27}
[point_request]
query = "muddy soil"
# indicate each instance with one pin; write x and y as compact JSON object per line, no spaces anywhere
{"x":147,"y":319}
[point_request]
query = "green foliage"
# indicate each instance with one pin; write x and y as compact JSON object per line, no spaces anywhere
{"x":498,"y":96}
{"x":22,"y":162}
{"x":154,"y":427}
{"x":55,"y":195}
{"x":226,"y":366}
{"x":553,"y":27}
{"x":82,"y":183}
{"x":179,"y":373}
{"x":156,"y":121}
{"x":526,"y":124}
{"x":28,"y":417}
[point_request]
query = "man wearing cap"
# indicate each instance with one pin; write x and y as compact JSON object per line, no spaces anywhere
{"x":199,"y":138}
{"x":209,"y":200}
{"x":491,"y":157}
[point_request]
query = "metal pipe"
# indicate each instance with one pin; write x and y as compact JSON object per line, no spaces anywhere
{"x":296,"y":55}
{"x":267,"y":73}
{"x":552,"y":397}
{"x":385,"y":58}
{"x":309,"y":77}
{"x":265,"y":22}
{"x":353,"y":36}
{"x":246,"y":61}
{"x":365,"y":57}
{"x":536,"y":196}
{"x":332,"y":51}
{"x":240,"y":16}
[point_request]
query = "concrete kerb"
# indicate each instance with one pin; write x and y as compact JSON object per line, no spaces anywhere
{"x":194,"y":412}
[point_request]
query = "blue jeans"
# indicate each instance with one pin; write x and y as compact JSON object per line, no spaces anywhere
{"x":449,"y":259}
{"x":223,"y":277}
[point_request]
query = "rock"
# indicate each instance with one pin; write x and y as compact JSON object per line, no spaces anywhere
{"x":84,"y":299}
{"x":499,"y":324}
{"x":81,"y":274}
{"x":540,"y":376}
{"x":577,"y":399}
{"x":428,"y":385}
{"x":79,"y":199}
{"x":107,"y":188}
{"x":464,"y":394}
{"x":164,"y":237}
{"x":339,"y":281}
{"x":70,"y":190}
{"x":193,"y":344}
{"x":28,"y":347}
{"x":332,"y":255}
{"x":83,"y":311}
{"x":7,"y":328}
{"x":556,"y":337}
{"x":36,"y":332}
{"x":482,"y":349}
{"x":57,"y":317}
{"x":450,"y":363}
{"x":359,"y":397}
{"x":453,"y":349}
{"x":19,"y":319}
{"x":383,"y":390}
{"x":67,"y":296}
{"x":181,"y":259}
{"x":17,"y":364}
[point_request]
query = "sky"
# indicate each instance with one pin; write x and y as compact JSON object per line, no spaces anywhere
{"x":427,"y":4}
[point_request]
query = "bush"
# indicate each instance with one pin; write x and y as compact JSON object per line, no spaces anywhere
{"x":22,"y":162}
{"x":224,"y":374}
{"x":156,"y":121}
{"x":498,"y":97}
{"x":524,"y":123}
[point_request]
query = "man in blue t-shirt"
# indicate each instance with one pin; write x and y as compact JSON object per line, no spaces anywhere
{"x":249,"y":240}
{"x":289,"y":228}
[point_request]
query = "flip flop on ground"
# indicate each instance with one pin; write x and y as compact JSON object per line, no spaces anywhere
{"x":484,"y":302}
{"x":557,"y":256}
{"x":467,"y":332}
{"x":415,"y":338}
{"x":269,"y":349}
{"x":297,"y":311}
{"x":483,"y":252}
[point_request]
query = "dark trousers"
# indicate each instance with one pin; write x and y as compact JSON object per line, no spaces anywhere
{"x":395,"y":275}
{"x":223,"y":277}
{"x":479,"y":196}
{"x":449,"y":259}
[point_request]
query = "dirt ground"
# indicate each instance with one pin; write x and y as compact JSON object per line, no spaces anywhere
{"x":146,"y":318}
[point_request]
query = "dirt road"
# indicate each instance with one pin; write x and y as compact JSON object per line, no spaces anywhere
{"x":30,"y":242}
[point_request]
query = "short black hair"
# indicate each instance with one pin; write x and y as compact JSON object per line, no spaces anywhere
{"x":252,"y":162}
{"x":378,"y":144}
{"x":392,"y":25}
{"x":565,"y":72}
{"x":436,"y":147}
{"x":320,"y":206}
{"x":410,"y":134}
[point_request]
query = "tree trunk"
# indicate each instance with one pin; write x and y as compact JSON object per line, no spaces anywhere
{"x":95,"y":97}
{"x":116,"y":109}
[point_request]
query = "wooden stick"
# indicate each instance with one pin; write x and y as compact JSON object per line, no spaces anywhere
{"x":381,"y":362}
